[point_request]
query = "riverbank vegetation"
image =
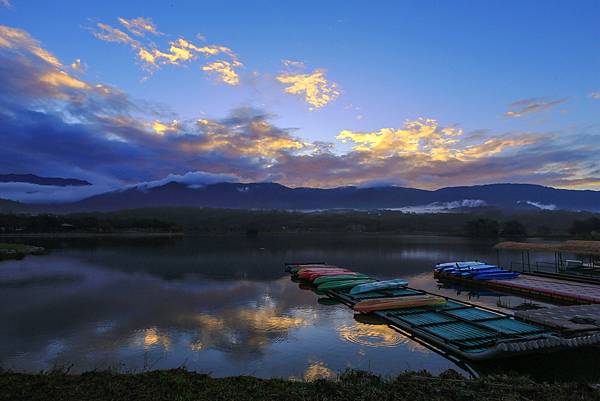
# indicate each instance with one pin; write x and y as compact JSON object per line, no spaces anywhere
{"x":487,"y":223}
{"x":18,"y":251}
{"x":83,"y":223}
{"x":180,"y":384}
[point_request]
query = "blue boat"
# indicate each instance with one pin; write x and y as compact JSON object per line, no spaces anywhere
{"x":456,"y":265}
{"x":505,"y":275}
{"x":476,"y":268}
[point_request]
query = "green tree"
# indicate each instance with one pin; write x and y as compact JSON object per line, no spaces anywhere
{"x":487,"y":228}
{"x":513,"y":229}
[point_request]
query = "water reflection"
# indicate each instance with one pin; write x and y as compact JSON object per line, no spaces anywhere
{"x":318,"y":370}
{"x":218,"y":305}
{"x":371,"y":335}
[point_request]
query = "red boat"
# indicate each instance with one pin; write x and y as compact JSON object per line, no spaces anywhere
{"x":311,"y":275}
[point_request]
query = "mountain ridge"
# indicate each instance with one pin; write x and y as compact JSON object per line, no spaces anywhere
{"x":277,"y":196}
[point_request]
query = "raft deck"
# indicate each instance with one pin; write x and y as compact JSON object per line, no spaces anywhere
{"x":470,"y":331}
{"x":537,"y":286}
{"x":574,"y":318}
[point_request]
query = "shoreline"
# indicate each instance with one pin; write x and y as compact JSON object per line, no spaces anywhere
{"x":91,"y":235}
{"x":183,"y":384}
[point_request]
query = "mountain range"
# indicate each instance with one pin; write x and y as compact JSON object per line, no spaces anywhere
{"x":276,"y":196}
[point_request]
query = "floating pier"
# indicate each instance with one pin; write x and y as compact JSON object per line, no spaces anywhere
{"x":536,"y":287}
{"x":470,"y":331}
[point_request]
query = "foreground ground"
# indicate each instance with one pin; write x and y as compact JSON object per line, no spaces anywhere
{"x":182,"y":385}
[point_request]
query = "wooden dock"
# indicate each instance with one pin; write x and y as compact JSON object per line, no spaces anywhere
{"x":537,"y":287}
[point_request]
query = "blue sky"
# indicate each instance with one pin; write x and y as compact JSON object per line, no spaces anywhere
{"x":522,"y":74}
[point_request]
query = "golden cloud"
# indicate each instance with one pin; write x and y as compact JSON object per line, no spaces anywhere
{"x":179,"y":52}
{"x":164,"y":128}
{"x":314,"y":87}
{"x":225,"y":71}
{"x":14,"y":38}
{"x":421,"y":136}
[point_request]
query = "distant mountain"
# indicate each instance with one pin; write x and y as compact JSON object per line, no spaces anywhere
{"x":276,"y":196}
{"x":34,"y":179}
{"x":8,"y":206}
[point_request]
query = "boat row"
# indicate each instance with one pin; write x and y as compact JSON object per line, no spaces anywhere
{"x":475,"y":270}
{"x":371,"y":294}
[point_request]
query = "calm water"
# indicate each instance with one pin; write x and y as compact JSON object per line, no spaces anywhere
{"x":217,"y":305}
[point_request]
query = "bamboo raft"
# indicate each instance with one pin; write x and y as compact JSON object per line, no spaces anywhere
{"x":466,"y":330}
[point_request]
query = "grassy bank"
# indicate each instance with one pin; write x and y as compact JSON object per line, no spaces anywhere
{"x":18,"y":251}
{"x":180,"y":384}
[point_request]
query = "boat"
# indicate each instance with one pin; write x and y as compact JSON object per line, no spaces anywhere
{"x":305,"y":274}
{"x":475,"y":272}
{"x":339,"y":277}
{"x":379,"y":285}
{"x":412,"y":301}
{"x":342,"y":285}
{"x":295,"y":268}
{"x":453,"y":265}
{"x":453,"y":270}
{"x":310,"y":276}
{"x":506,"y":275}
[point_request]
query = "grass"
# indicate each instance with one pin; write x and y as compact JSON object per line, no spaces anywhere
{"x":179,"y":384}
{"x":15,"y":247}
{"x":18,"y":251}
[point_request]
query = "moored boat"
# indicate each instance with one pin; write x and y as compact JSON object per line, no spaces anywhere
{"x":342,"y":285}
{"x":339,"y":277}
{"x":413,"y":301}
{"x":379,"y":285}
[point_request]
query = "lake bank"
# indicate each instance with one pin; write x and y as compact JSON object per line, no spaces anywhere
{"x":185,"y":385}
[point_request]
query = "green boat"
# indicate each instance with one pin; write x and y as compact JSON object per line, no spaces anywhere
{"x":342,"y":284}
{"x":327,"y":279}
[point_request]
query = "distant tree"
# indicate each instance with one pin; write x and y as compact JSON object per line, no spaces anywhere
{"x":513,"y":229}
{"x":486,"y":228}
{"x":588,"y":228}
{"x":543,"y":231}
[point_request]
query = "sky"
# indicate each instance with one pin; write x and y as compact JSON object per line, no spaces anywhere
{"x":425,"y":94}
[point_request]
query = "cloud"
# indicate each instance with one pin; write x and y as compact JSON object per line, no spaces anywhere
{"x":595,"y":95}
{"x":140,"y":26}
{"x":224,"y":70}
{"x":313,"y":87}
{"x":78,"y":66}
{"x":60,"y":125}
{"x":525,"y":107}
{"x":176,"y":52}
{"x":5,"y":3}
{"x":194,"y":179}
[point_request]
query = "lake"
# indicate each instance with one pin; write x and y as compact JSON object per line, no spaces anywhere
{"x":218,"y":305}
